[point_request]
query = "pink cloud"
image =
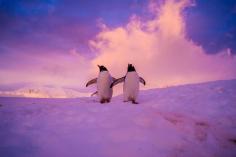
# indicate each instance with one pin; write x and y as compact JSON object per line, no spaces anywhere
{"x":56,"y":69}
{"x":159,"y":49}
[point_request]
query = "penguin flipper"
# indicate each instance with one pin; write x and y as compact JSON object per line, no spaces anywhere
{"x":91,"y":82}
{"x":142,"y":81}
{"x":119,"y":80}
{"x":94,"y":93}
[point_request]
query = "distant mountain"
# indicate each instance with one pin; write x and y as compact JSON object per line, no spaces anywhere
{"x":43,"y":92}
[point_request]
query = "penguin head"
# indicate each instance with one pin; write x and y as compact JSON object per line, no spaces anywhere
{"x":102,"y":68}
{"x":130,"y":68}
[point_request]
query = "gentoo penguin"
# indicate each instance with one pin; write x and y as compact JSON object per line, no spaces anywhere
{"x":131,"y":84}
{"x":103,"y":81}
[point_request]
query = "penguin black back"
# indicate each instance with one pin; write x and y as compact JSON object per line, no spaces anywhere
{"x":130,"y":68}
{"x":102,"y":68}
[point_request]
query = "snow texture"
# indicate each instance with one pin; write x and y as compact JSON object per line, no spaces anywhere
{"x":184,"y":121}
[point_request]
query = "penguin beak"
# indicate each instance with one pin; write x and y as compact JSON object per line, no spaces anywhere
{"x":99,"y":67}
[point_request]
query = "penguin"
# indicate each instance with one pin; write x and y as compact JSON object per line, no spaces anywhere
{"x":131,"y":84}
{"x":103,"y":82}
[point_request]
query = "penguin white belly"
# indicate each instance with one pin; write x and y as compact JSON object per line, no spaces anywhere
{"x":131,"y":86}
{"x":104,"y":81}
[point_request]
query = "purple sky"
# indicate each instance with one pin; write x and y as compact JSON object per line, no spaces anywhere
{"x":33,"y":29}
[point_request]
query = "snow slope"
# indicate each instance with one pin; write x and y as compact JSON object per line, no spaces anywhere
{"x":184,"y":121}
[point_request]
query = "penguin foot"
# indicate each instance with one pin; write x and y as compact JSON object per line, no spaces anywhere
{"x":105,"y":101}
{"x":134,"y":102}
{"x":102,"y":101}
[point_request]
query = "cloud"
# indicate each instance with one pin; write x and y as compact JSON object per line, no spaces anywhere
{"x":160,"y":50}
{"x":157,"y":46}
{"x":70,"y":69}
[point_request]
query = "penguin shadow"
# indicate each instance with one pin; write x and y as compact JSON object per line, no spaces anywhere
{"x":1,"y":105}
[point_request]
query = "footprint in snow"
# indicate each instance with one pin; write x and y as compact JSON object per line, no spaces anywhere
{"x":200,"y":130}
{"x":173,"y":118}
{"x":199,"y":127}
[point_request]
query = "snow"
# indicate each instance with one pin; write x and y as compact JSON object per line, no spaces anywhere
{"x":196,"y":120}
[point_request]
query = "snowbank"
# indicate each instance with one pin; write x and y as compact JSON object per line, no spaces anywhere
{"x":184,"y":121}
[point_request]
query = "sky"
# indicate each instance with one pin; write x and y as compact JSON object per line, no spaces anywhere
{"x":170,"y":42}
